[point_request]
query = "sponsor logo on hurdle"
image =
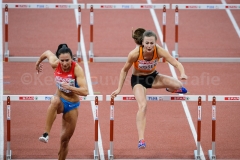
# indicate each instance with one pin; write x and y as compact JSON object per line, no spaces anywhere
{"x":129,"y":98}
{"x":232,"y":7}
{"x":82,"y":98}
{"x":213,"y":112}
{"x":193,"y":7}
{"x":153,"y":98}
{"x":108,"y":6}
{"x":26,"y":98}
{"x":210,"y":7}
{"x":40,"y":6}
{"x":178,"y":98}
{"x":22,"y":6}
{"x":126,"y":6}
{"x":112,"y":112}
{"x":96,"y":112}
{"x":147,"y":6}
{"x":47,"y":98}
{"x":231,"y":98}
{"x":8,"y":112}
{"x":61,"y":6}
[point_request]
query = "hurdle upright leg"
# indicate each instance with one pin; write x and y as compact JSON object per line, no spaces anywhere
{"x":110,"y":151}
{"x":9,"y":152}
{"x":175,"y":52}
{"x":6,"y":54}
{"x":211,"y":153}
{"x":79,"y":54}
{"x":197,"y":152}
{"x":95,"y":152}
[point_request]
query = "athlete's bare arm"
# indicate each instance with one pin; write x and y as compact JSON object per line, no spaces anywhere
{"x":163,"y":53}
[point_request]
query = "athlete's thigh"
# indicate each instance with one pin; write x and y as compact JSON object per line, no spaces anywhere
{"x":56,"y":103}
{"x":163,"y":81}
{"x":69,"y":121}
{"x":140,"y":94}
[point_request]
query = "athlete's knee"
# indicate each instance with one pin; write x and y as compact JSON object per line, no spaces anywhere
{"x":142,"y":107}
{"x":55,"y":102}
{"x":64,"y":142}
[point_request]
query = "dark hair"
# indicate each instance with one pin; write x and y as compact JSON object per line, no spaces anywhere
{"x":137,"y":35}
{"x":149,"y":33}
{"x":63,"y":48}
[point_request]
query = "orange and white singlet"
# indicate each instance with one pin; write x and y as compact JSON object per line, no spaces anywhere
{"x":144,"y":65}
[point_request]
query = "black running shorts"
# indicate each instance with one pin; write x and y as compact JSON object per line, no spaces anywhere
{"x":146,"y":80}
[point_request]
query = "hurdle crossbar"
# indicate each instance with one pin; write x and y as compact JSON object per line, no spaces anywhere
{"x":43,"y":5}
{"x":180,"y":59}
{"x":47,"y":97}
{"x":126,"y":6}
{"x":159,"y":97}
{"x":176,"y":98}
{"x":206,"y":6}
{"x":215,"y":99}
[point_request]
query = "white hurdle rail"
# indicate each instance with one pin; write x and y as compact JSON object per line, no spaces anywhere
{"x":125,"y":7}
{"x":215,"y":99}
{"x":177,"y":7}
{"x":172,"y":98}
{"x":57,"y":6}
{"x":31,"y":98}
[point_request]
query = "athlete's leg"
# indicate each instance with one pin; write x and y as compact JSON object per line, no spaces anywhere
{"x":69,"y":121}
{"x":54,"y":108}
{"x":140,"y":95}
{"x":163,"y":81}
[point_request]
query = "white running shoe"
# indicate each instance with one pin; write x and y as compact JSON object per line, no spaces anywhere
{"x":44,"y":138}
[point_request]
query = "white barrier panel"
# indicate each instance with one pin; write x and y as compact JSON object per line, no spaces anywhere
{"x":42,"y":5}
{"x":128,"y":6}
{"x":47,"y":97}
{"x":226,"y":98}
{"x":159,"y":98}
{"x":206,"y":6}
{"x":180,"y":59}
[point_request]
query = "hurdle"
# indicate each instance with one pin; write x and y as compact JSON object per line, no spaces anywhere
{"x":214,"y":99}
{"x":126,"y":7}
{"x":31,"y":98}
{"x":175,"y":53}
{"x":6,"y":6}
{"x":171,"y":98}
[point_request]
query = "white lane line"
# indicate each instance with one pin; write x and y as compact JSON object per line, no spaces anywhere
{"x":1,"y":92}
{"x":89,"y":83}
{"x":185,"y":107}
{"x":232,"y":19}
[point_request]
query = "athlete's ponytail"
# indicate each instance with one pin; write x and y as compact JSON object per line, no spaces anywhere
{"x":137,"y":35}
{"x":63,"y":48}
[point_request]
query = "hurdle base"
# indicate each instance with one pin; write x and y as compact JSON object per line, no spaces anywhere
{"x":197,"y":157}
{"x":96,"y":157}
{"x":211,"y":156}
{"x":9,"y":156}
{"x":110,"y":157}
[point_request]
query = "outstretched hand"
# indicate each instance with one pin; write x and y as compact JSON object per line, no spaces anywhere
{"x":183,"y":77}
{"x":39,"y":68}
{"x":115,"y":93}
